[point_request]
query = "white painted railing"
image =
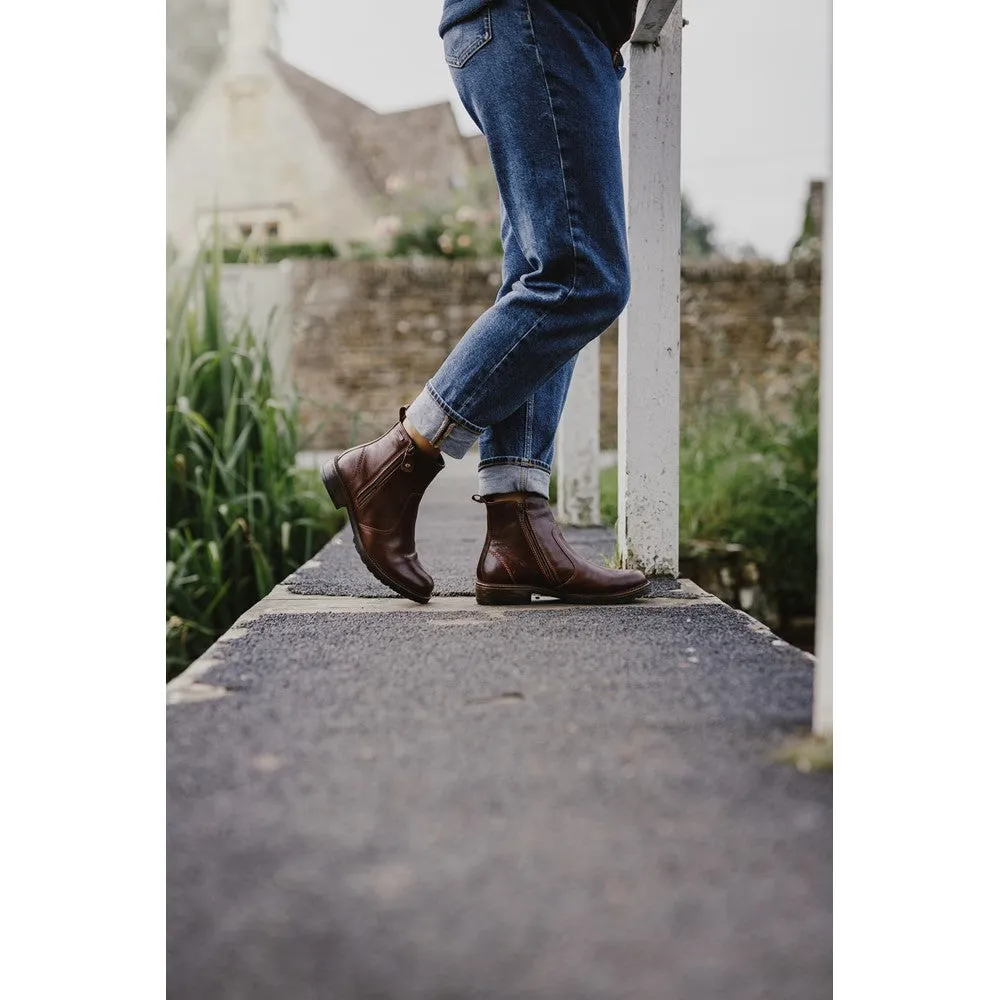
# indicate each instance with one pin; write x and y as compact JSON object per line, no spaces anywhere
{"x":578,"y":443}
{"x":649,"y":348}
{"x":823,"y":681}
{"x":649,"y":330}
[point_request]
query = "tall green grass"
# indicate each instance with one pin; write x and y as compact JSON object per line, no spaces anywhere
{"x":750,"y":479}
{"x":240,"y":517}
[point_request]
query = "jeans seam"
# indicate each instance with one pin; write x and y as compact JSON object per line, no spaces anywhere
{"x":441,"y":430}
{"x":569,"y":218}
{"x":526,"y":463}
{"x":529,"y":420}
{"x":452,"y":413}
{"x":460,"y":60}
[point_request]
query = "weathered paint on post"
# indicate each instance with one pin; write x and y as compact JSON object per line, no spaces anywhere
{"x":578,"y":443}
{"x":649,"y":332}
{"x":823,"y":679}
{"x":650,"y":21}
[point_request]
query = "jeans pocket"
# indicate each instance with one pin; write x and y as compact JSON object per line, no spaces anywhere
{"x":463,"y":40}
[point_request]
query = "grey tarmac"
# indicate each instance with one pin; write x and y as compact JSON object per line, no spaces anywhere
{"x":454,"y":802}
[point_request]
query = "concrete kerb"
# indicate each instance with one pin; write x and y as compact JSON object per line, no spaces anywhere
{"x":188,"y":687}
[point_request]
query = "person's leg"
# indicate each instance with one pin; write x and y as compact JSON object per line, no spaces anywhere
{"x":544,"y":91}
{"x":516,"y":453}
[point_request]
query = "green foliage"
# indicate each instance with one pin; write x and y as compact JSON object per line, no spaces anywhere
{"x":447,"y":236}
{"x":271,"y":253}
{"x":415,"y":223}
{"x":467,"y":224}
{"x":697,"y":233}
{"x":360,"y":250}
{"x":751,"y":480}
{"x":608,"y":486}
{"x":463,"y":232}
{"x":810,"y":230}
{"x":240,"y":517}
{"x":809,"y":241}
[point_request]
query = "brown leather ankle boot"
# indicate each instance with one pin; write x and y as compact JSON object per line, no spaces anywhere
{"x":525,"y":553}
{"x":381,"y":483}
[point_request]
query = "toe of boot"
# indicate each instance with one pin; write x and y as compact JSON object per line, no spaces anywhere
{"x":629,"y":580}
{"x":414,"y":578}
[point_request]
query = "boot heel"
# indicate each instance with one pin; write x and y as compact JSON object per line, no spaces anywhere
{"x":490,"y":595}
{"x":334,"y":484}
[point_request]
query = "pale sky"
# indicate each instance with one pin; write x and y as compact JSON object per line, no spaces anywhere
{"x":756,"y":94}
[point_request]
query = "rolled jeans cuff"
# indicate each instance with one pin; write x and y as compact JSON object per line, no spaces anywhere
{"x":441,"y":425}
{"x":512,"y":477}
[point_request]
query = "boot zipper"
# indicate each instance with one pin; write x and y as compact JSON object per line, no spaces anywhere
{"x":529,"y":534}
{"x":405,"y":461}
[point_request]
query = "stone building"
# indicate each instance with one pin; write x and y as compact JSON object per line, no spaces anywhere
{"x":277,"y":155}
{"x":196,"y":32}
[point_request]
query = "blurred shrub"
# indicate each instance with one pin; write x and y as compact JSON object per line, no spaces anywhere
{"x":416,"y":223}
{"x":750,"y":479}
{"x":270,"y":253}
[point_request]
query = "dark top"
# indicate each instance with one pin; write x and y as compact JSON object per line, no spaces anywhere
{"x":613,"y":21}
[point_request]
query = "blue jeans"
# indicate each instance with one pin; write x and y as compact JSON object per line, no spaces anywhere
{"x":544,"y":91}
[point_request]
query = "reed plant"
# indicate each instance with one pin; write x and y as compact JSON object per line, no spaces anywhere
{"x":240,"y":516}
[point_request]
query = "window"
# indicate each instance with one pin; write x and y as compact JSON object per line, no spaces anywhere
{"x":246,"y":231}
{"x":272,"y":230}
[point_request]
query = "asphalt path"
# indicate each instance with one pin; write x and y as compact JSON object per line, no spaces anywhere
{"x":454,"y":802}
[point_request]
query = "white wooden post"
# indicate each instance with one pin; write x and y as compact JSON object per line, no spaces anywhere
{"x":823,"y":678}
{"x":578,"y":443}
{"x":649,"y":330}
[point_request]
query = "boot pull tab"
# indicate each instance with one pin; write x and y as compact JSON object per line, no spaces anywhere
{"x":478,"y":498}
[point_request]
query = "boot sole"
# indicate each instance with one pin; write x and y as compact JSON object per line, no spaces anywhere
{"x":510,"y":593}
{"x":334,"y":484}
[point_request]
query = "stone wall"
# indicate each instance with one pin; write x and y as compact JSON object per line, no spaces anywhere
{"x":366,"y":335}
{"x":749,"y":333}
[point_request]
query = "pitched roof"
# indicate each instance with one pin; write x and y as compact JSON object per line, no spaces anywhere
{"x":421,"y":144}
{"x":332,"y":112}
